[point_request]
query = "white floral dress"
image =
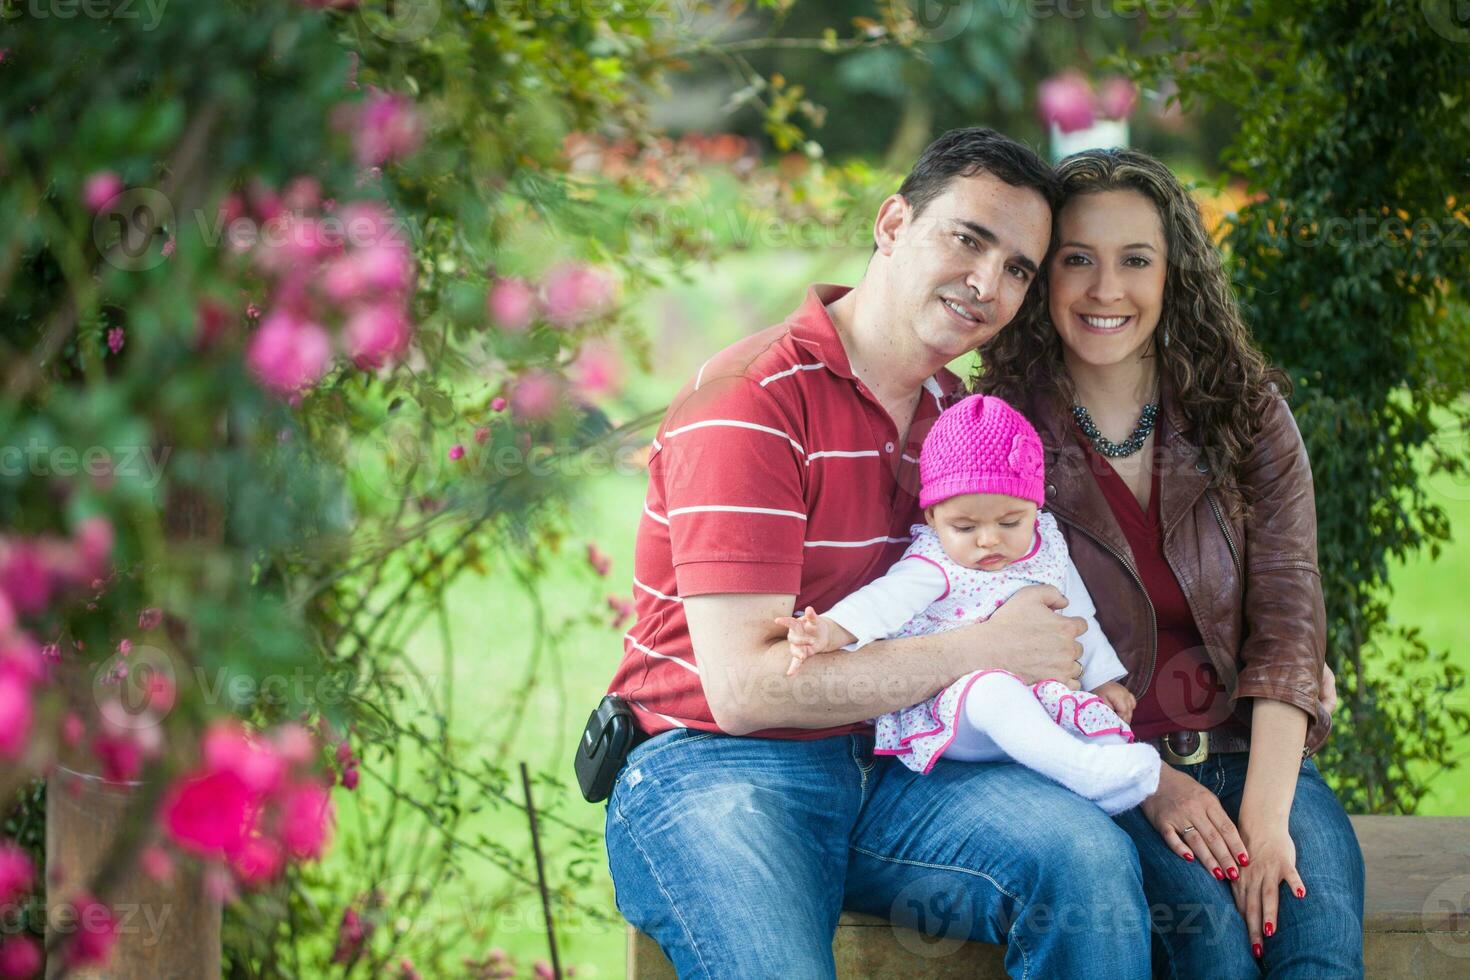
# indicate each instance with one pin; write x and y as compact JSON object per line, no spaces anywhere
{"x":926,"y":592}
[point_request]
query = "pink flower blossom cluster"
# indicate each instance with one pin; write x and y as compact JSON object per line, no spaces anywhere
{"x":252,"y":803}
{"x":33,"y":572}
{"x":20,"y":955}
{"x":340,"y":279}
{"x":385,"y":126}
{"x":572,"y":293}
{"x":1068,"y":102}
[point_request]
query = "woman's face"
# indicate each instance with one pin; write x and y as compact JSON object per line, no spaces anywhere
{"x":1107,"y":276}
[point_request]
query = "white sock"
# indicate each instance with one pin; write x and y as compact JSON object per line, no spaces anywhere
{"x":1001,"y":711}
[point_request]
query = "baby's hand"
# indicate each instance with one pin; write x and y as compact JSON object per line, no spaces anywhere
{"x":1118,"y":698}
{"x":808,"y":635}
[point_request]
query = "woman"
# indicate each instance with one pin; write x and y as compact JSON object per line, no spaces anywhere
{"x":1181,"y":483}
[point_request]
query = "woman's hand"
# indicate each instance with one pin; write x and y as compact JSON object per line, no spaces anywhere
{"x":1329,"y":689}
{"x":1195,"y":825}
{"x":1273,"y":860}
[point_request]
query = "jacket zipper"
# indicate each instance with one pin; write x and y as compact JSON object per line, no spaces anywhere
{"x":1229,"y":541}
{"x":1153,"y":632}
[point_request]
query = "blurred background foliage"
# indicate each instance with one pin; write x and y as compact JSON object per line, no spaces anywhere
{"x":448,"y":608}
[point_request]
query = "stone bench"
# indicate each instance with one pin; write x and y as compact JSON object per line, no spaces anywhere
{"x":1416,"y":917}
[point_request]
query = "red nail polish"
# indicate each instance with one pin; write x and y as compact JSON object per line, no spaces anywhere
{"x":1232,"y":874}
{"x":1270,"y":930}
{"x":1256,"y":948}
{"x":1188,"y":856}
{"x":1243,"y":858}
{"x":1301,"y":893}
{"x":1218,"y":873}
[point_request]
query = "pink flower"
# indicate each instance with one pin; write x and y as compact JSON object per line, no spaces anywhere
{"x":150,"y":618}
{"x":257,"y":861}
{"x":1117,"y":98}
{"x":302,"y":194}
{"x":456,"y":452}
{"x":306,"y":819}
{"x":115,"y":338}
{"x":482,"y":434}
{"x":288,"y":353}
{"x":542,"y":970}
{"x":120,"y":755}
{"x":294,"y":744}
{"x":209,"y":813}
{"x":1025,"y":459}
{"x":124,"y":647}
{"x":352,"y":933}
{"x":20,"y":958}
{"x":536,"y":395}
{"x":156,"y":863}
{"x":100,"y":188}
{"x":511,"y":304}
{"x":228,"y":747}
{"x":622,"y":610}
{"x":349,"y":778}
{"x":16,"y":714}
{"x":16,"y":873}
{"x":7,"y":615}
{"x":344,"y":752}
{"x":95,"y":934}
{"x":1065,"y":101}
{"x":376,"y":335}
{"x":387,"y":127}
{"x":598,"y":370}
{"x":577,"y":292}
{"x":24,"y":577}
{"x":497,"y":404}
{"x":73,"y":729}
{"x":600,"y":563}
{"x":94,"y":541}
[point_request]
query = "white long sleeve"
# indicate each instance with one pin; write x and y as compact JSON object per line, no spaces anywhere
{"x":1100,"y":662}
{"x":881,"y":608}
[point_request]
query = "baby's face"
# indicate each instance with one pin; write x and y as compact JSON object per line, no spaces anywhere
{"x":987,"y":531}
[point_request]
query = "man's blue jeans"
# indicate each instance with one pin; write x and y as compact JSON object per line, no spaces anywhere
{"x":737,"y":854}
{"x":1198,"y":931}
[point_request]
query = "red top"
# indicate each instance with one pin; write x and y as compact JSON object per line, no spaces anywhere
{"x":1185,"y":692}
{"x":775,"y":471}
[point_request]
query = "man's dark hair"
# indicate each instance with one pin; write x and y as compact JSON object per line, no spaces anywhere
{"x":966,"y":152}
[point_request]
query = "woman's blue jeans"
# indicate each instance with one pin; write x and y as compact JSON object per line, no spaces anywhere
{"x":737,"y":854}
{"x":1198,"y":932}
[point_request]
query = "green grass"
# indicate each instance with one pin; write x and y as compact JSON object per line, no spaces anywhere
{"x":491,"y":649}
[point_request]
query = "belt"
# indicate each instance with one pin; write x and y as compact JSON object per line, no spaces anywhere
{"x":1186,"y":748}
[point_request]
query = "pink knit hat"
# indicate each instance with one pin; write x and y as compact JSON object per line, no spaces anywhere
{"x":981,"y":445}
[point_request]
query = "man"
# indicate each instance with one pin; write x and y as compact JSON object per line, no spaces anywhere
{"x":785,"y":475}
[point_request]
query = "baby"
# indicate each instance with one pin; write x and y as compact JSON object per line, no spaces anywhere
{"x":984,"y":538}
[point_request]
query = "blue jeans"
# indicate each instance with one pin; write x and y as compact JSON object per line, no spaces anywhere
{"x":737,"y":854}
{"x":1197,"y":930}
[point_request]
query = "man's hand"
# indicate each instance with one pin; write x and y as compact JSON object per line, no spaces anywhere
{"x":1029,"y":638}
{"x":1119,"y":698}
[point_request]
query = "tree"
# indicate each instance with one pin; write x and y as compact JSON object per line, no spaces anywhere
{"x":1351,"y":264}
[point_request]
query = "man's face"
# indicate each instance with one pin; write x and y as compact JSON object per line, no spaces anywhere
{"x":961,"y":268}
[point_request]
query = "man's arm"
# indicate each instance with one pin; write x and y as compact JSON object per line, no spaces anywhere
{"x":743,"y":656}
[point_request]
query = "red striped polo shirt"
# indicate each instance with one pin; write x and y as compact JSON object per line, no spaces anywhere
{"x":774,"y":471}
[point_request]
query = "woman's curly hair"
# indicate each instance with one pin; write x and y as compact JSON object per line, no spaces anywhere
{"x":1219,"y":378}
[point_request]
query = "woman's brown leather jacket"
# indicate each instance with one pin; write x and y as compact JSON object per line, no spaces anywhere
{"x":1252,"y":584}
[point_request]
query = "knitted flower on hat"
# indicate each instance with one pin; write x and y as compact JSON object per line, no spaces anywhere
{"x":981,"y":445}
